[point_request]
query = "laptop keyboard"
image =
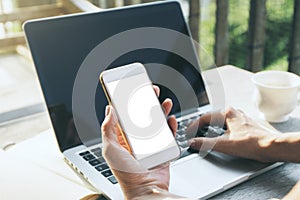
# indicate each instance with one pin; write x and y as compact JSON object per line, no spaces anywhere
{"x":95,"y":159}
{"x":183,"y":137}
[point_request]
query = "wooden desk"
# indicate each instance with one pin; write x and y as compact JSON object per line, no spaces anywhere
{"x":238,"y":86}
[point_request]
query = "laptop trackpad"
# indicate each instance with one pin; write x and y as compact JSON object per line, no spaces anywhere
{"x":198,"y":177}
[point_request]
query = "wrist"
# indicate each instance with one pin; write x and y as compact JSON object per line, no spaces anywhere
{"x":151,"y":192}
{"x":140,"y":192}
{"x":268,"y":148}
{"x":284,"y":147}
{"x":140,"y":186}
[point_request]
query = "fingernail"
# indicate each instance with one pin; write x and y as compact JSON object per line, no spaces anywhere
{"x":107,"y":110}
{"x":168,"y":99}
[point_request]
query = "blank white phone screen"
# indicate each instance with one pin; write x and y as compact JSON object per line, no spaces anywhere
{"x":140,"y":115}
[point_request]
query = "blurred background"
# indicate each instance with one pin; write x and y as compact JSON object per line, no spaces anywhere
{"x":251,"y":34}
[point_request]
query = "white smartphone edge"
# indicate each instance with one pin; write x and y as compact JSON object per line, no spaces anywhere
{"x":153,"y":160}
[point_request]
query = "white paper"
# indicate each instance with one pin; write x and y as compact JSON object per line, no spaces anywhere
{"x":22,"y":179}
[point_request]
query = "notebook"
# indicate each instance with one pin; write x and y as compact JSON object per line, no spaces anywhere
{"x":28,"y":173}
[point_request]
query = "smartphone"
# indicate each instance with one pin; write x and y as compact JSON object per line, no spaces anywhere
{"x":142,"y":121}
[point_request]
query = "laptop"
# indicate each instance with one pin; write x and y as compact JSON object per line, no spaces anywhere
{"x":61,"y":46}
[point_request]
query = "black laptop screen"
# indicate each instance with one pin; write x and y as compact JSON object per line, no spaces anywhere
{"x":60,"y":45}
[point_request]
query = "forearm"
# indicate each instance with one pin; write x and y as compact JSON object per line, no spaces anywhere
{"x":143,"y":186}
{"x":285,"y":147}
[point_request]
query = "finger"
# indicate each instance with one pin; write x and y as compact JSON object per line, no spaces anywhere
{"x":192,"y":129}
{"x":216,"y":118}
{"x":115,"y":155}
{"x":240,"y":111}
{"x":232,"y":113}
{"x":123,"y":142}
{"x":109,"y":131}
{"x":204,"y":120}
{"x":220,"y":144}
{"x":197,"y":143}
{"x":167,"y":106}
{"x":235,"y":119}
{"x":109,"y":124}
{"x":173,"y":124}
{"x":156,"y":89}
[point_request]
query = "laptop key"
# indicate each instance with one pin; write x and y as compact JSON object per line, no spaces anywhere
{"x":101,"y":159}
{"x":84,"y":153}
{"x":214,"y":131}
{"x":180,"y":132}
{"x":195,"y":118}
{"x":101,"y":167}
{"x":182,"y":127}
{"x":186,"y":121}
{"x":183,"y":144}
{"x":179,"y":123}
{"x":98,"y":153}
{"x":94,"y":162}
{"x":181,"y":138}
{"x":113,"y":180}
{"x":88,"y":157}
{"x":106,"y":173}
{"x":98,"y":149}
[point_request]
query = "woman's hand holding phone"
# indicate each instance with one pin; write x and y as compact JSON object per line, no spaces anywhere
{"x":141,"y":118}
{"x":135,"y":180}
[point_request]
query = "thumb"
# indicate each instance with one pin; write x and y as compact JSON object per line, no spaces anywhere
{"x":109,"y":124}
{"x":220,"y":144}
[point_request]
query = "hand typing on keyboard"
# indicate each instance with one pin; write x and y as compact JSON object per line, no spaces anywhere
{"x":192,"y":127}
{"x":244,"y":136}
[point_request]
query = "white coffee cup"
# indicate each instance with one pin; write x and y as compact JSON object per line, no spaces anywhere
{"x":276,"y":94}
